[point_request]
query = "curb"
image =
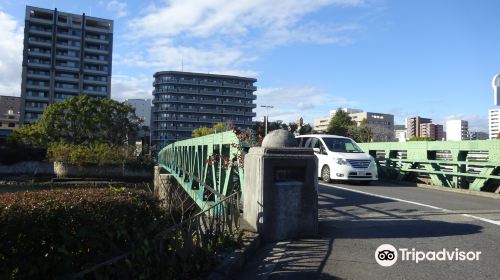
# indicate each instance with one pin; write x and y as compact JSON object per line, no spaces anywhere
{"x":431,"y":187}
{"x":235,"y":261}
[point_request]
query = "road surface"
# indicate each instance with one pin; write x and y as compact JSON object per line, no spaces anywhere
{"x":356,"y":220}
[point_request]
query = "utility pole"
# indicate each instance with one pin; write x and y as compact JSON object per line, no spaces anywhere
{"x":267,"y":115}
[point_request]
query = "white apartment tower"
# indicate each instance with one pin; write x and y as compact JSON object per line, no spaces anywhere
{"x":457,"y":130}
{"x":493,"y":122}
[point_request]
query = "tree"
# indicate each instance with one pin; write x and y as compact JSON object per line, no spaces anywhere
{"x":339,"y":124}
{"x":305,"y":129}
{"x":216,"y":128}
{"x":82,"y":120}
{"x":361,"y":133}
{"x":498,"y":135}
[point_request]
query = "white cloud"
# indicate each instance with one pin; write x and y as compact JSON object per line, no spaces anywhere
{"x":212,"y":17}
{"x":126,"y":87}
{"x":295,"y":102}
{"x":220,"y":35}
{"x":115,"y":6}
{"x":11,"y":48}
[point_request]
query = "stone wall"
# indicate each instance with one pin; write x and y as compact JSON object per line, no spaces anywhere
{"x":28,"y":168}
{"x":63,"y":170}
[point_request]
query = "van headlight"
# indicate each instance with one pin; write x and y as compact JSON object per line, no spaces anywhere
{"x":341,"y":161}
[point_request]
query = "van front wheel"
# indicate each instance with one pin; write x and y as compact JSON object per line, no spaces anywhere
{"x":325,"y":174}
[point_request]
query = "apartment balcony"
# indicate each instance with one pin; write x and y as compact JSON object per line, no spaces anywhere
{"x":234,"y":94}
{"x":39,"y":54}
{"x":185,"y":119}
{"x":249,"y":123}
{"x":43,"y":43}
{"x":95,"y":82}
{"x":251,"y":95}
{"x":99,"y":30}
{"x":183,"y":90}
{"x":251,"y":105}
{"x":38,"y":76}
{"x":36,"y":86}
{"x":40,"y":20}
{"x":97,"y":61}
{"x":188,"y":82}
{"x":35,"y":109}
{"x":67,"y":57}
{"x":185,"y":100}
{"x":181,"y":109}
{"x":39,"y":65}
{"x":96,"y":50}
{"x":250,"y":114}
{"x":95,"y":71}
{"x":212,"y":111}
{"x":215,"y":102}
{"x":251,"y":87}
{"x":211,"y":93}
{"x":233,"y":85}
{"x":185,"y":128}
{"x":37,"y":98}
{"x":206,"y":83}
{"x":66,"y":79}
{"x":68,"y":36}
{"x":40,"y":32}
{"x":61,"y":89}
{"x":95,"y":92}
{"x":67,"y":46}
{"x":161,"y":119}
{"x":238,"y":122}
{"x":170,"y":109}
{"x":96,"y":40}
{"x":67,"y":68}
{"x":234,"y":103}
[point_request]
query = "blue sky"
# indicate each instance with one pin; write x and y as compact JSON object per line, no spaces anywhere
{"x":434,"y":58}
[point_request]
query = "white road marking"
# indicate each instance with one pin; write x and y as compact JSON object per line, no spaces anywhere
{"x":416,"y":203}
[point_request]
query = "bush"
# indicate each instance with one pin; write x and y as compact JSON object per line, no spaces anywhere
{"x":54,"y":233}
{"x":97,"y":154}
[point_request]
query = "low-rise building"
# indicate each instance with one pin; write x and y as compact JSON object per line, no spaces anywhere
{"x":382,"y":125}
{"x":10,"y":107}
{"x":321,"y":124}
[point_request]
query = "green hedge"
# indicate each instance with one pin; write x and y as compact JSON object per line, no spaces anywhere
{"x":55,"y":233}
{"x":97,"y":154}
{"x":11,"y":154}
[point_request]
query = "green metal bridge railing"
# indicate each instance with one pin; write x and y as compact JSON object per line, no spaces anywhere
{"x":473,"y":165}
{"x":208,"y":168}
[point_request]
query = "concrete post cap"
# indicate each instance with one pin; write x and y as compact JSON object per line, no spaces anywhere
{"x":279,"y":138}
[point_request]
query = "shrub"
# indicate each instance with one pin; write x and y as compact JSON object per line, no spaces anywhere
{"x":96,"y":154}
{"x":54,"y":233}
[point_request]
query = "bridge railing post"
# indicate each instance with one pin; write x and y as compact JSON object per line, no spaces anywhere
{"x":280,"y":199}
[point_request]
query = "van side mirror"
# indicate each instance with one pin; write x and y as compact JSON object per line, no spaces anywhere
{"x":316,"y":150}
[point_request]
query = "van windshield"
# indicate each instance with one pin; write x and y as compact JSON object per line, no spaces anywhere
{"x":342,"y":145}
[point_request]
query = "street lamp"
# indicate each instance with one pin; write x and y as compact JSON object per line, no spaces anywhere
{"x":267,"y":114}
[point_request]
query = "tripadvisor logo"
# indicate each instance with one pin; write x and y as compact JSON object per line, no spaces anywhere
{"x":387,"y":255}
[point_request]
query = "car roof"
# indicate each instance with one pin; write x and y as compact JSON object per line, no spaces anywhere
{"x":321,"y":136}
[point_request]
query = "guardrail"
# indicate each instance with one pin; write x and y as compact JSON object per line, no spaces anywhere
{"x":472,"y":165}
{"x":208,"y":168}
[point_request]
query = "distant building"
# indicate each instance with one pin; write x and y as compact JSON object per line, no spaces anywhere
{"x":184,"y":101}
{"x":400,"y":133}
{"x":382,"y":125}
{"x":495,"y":84}
{"x":10,"y":107}
{"x":433,"y":131}
{"x":478,"y":135}
{"x":494,"y":122}
{"x":64,"y":55}
{"x":457,"y":130}
{"x":142,"y":109}
{"x":413,"y":125}
{"x":347,"y":110}
{"x":321,"y":124}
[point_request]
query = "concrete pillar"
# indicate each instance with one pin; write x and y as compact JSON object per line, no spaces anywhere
{"x":280,"y":195}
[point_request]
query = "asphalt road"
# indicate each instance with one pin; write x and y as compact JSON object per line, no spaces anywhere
{"x":355,"y":220}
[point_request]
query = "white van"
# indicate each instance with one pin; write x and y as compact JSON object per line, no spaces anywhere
{"x":339,"y":158}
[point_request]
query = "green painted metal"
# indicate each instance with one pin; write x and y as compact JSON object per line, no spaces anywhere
{"x":206,"y":167}
{"x":421,"y":159}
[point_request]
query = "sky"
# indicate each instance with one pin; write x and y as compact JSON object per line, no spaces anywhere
{"x":433,"y":58}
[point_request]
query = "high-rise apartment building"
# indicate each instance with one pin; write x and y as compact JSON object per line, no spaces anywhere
{"x":64,"y":55}
{"x":413,"y":126}
{"x":494,"y":122}
{"x":184,"y":101}
{"x":495,"y":84}
{"x":457,"y":130}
